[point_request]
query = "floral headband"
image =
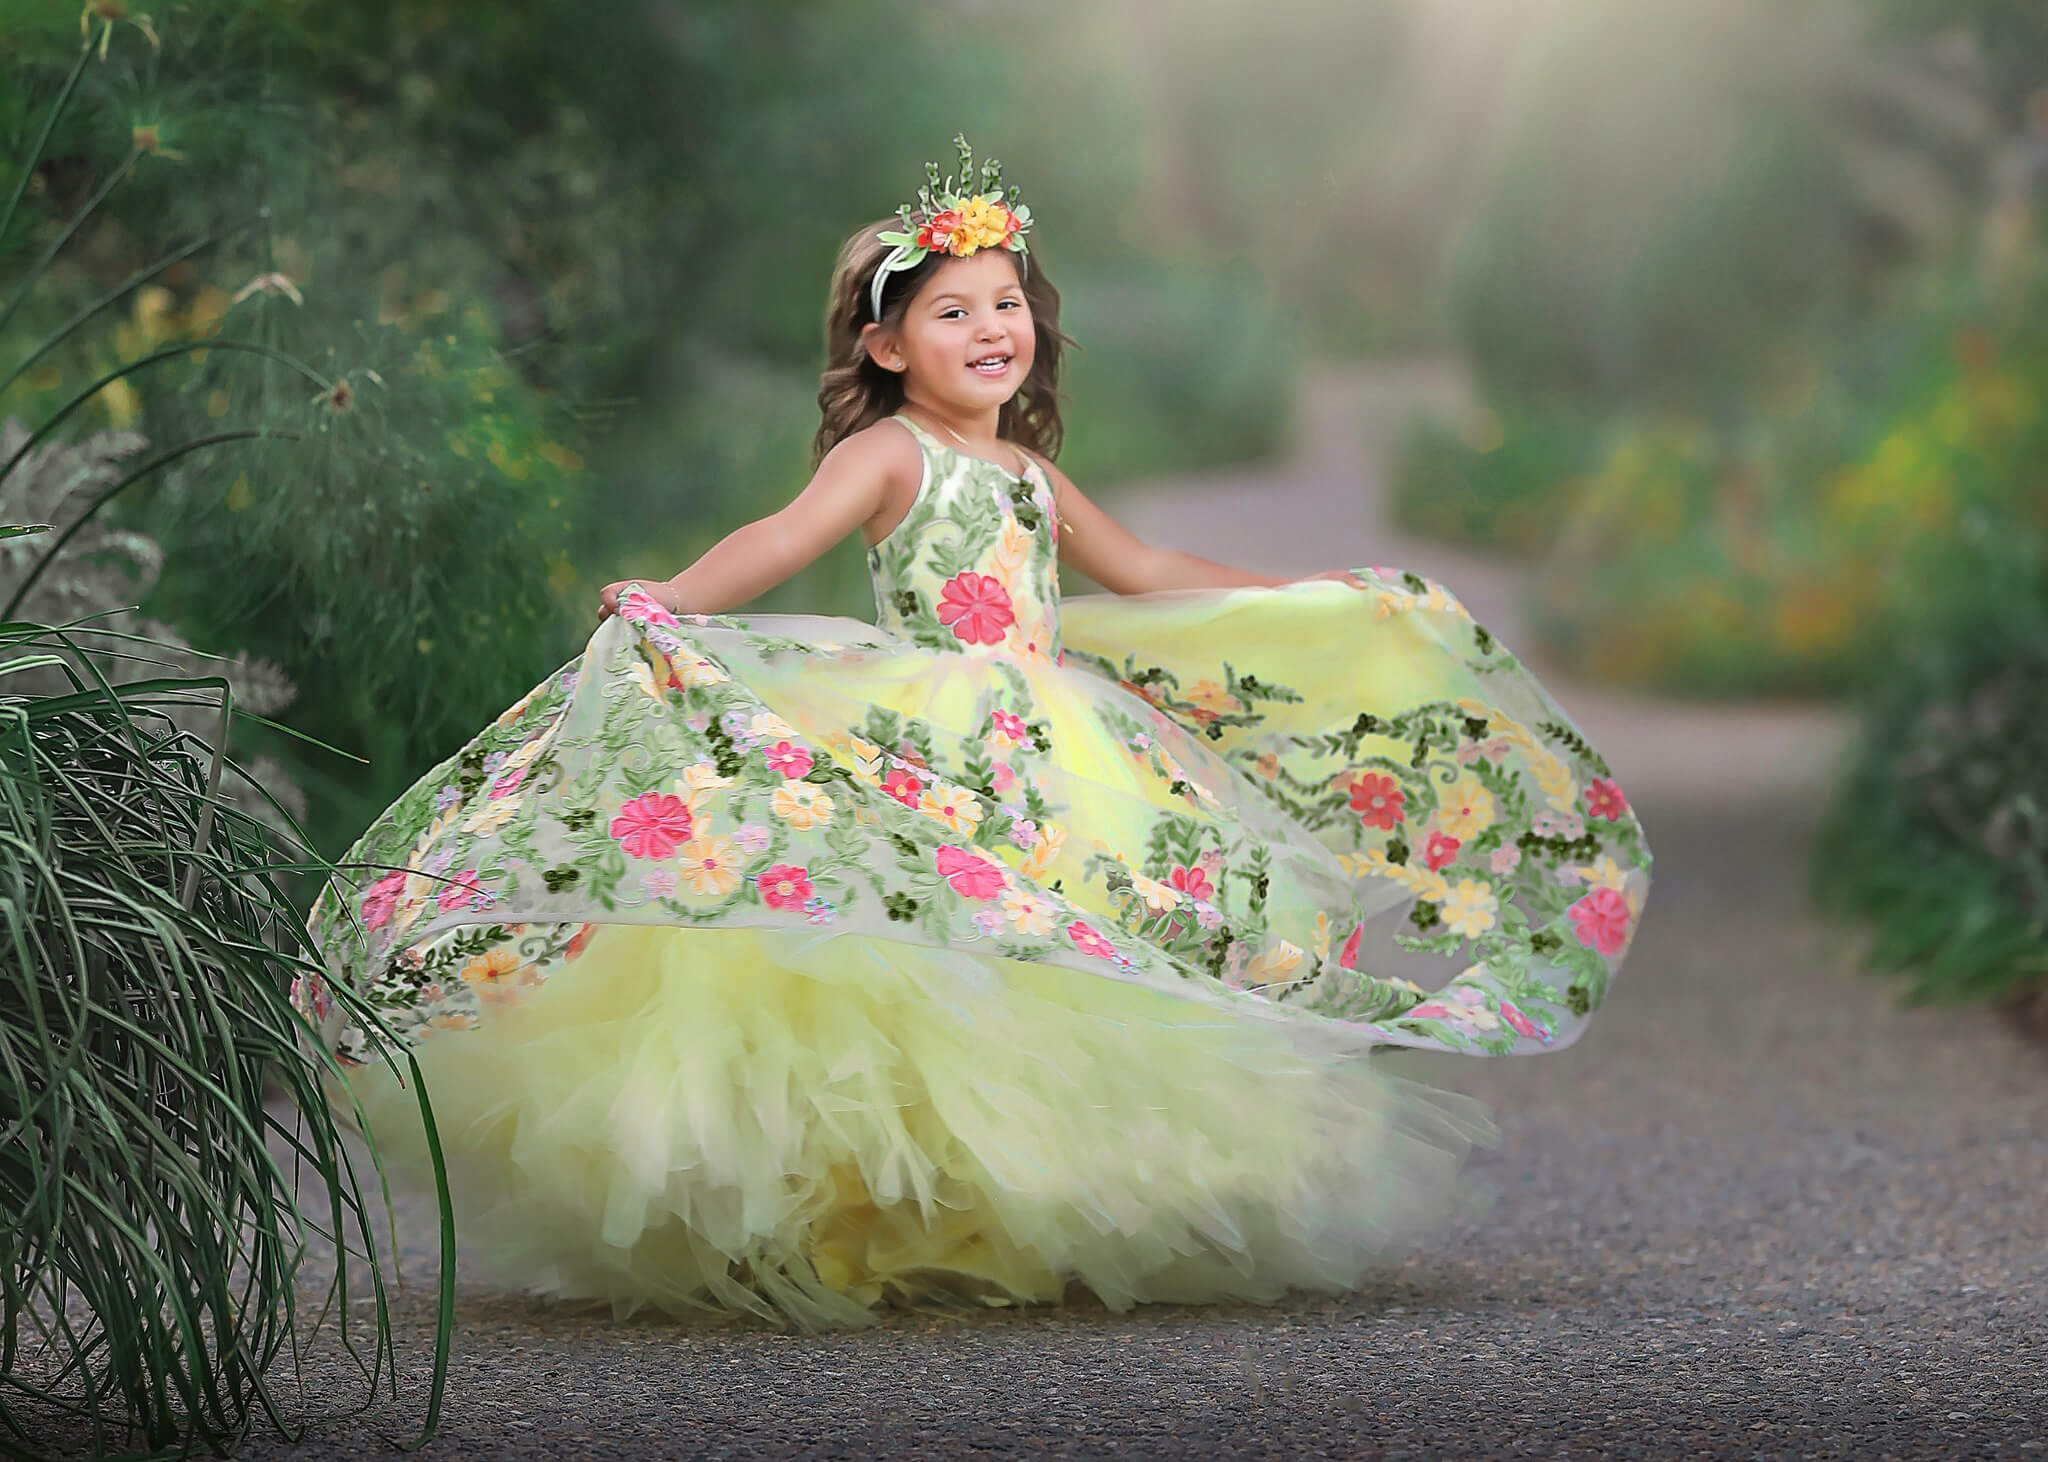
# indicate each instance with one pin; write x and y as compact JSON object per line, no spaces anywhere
{"x":948,"y":218}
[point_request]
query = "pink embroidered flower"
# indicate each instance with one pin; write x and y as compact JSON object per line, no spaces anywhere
{"x":460,"y":890}
{"x":904,"y":786}
{"x":789,"y":760}
{"x":1087,"y":940}
{"x":1506,"y":858}
{"x":977,"y":607}
{"x":1024,"y":833}
{"x":1440,"y":850}
{"x":639,"y":606}
{"x":1378,"y":800}
{"x":1193,"y":882}
{"x":1494,"y":748}
{"x":1601,"y":920}
{"x":1430,"y":1010}
{"x":1003,"y":777}
{"x":652,"y":825}
{"x":509,"y":783}
{"x":660,"y":883}
{"x":750,"y":837}
{"x":1551,"y":824}
{"x":971,"y":875}
{"x":1347,"y":957}
{"x":382,"y":899}
{"x":1604,"y":799}
{"x":785,"y":886}
{"x":1009,"y":724}
{"x":1521,"y":1024}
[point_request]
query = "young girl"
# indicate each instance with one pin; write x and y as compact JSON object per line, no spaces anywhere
{"x":794,"y":965}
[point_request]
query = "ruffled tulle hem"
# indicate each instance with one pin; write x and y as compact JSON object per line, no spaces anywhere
{"x":748,"y":1122}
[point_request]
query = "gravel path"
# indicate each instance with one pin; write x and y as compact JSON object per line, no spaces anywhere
{"x":1758,"y":1212}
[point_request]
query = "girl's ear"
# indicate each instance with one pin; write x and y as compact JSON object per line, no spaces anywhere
{"x":880,"y":343}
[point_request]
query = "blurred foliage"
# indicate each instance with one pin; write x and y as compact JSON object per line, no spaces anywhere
{"x":1677,"y":188}
{"x":1789,"y":554}
{"x":1938,"y":833}
{"x":1499,"y":478}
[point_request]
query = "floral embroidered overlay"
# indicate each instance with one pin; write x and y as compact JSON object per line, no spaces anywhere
{"x":1342,"y":806}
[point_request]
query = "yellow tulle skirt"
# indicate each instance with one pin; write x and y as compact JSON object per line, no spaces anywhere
{"x":811,"y":1129}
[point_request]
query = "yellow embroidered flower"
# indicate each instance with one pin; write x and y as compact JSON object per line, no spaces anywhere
{"x":802,"y":805}
{"x":1051,"y":838}
{"x":518,"y":707}
{"x":1604,"y":872}
{"x":1467,"y":809}
{"x":708,"y":866}
{"x":1273,"y":964}
{"x":1321,"y":941}
{"x":644,"y":678}
{"x":1210,"y":695}
{"x":1027,"y":913}
{"x":954,"y":806}
{"x":693,"y":673}
{"x":1158,"y":897}
{"x":1476,"y":1016}
{"x":493,"y":815}
{"x":769,"y":725}
{"x":492,"y":965}
{"x":1551,"y":774}
{"x":697,"y":786}
{"x":1469,"y":909}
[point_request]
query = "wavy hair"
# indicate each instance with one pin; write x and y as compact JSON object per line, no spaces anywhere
{"x":854,"y":392}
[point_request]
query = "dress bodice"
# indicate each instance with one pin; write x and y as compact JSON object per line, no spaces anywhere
{"x":973,"y":566}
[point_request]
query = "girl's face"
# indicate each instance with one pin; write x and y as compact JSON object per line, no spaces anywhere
{"x":965,"y":338}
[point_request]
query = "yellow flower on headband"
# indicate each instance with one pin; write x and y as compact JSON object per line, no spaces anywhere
{"x":984,"y":224}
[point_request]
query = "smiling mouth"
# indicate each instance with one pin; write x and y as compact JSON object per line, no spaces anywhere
{"x":990,"y":365}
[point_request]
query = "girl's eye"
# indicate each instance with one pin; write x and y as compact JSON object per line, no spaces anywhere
{"x":951,"y":310}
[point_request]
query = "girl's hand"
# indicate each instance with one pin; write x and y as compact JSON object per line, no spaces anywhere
{"x":1345,"y":576}
{"x":608,"y":597}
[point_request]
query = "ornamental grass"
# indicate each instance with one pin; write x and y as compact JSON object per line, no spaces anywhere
{"x":169,"y":1159}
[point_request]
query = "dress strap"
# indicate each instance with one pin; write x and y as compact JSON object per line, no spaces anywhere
{"x":933,"y":442}
{"x":917,"y":431}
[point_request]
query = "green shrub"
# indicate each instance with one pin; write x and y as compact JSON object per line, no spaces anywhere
{"x":1938,"y":832}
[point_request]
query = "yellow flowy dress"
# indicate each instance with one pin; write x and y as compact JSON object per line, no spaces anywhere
{"x":793,"y":965}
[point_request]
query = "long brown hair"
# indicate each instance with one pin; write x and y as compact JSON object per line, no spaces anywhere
{"x":854,"y":392}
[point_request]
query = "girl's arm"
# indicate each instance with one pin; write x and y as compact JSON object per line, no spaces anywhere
{"x":1124,"y":563}
{"x":850,"y":486}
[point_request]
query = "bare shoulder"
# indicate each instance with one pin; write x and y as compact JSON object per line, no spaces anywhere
{"x":882,"y":449}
